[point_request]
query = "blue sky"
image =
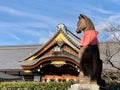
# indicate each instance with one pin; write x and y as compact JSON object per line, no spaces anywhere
{"x":34,"y":21}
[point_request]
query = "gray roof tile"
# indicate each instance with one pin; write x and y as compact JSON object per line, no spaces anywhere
{"x":11,"y":55}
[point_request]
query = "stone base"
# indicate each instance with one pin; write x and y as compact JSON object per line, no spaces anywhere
{"x":84,"y":87}
{"x":85,"y":79}
{"x":85,"y":83}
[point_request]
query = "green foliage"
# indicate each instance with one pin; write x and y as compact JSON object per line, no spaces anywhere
{"x":22,"y":85}
{"x":114,"y":86}
{"x":31,"y":85}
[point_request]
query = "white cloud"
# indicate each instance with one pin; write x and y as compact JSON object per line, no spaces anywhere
{"x":102,"y":11}
{"x":30,"y":42}
{"x":114,"y":18}
{"x":11,"y":11}
{"x":43,"y":40}
{"x":51,"y":34}
{"x":43,"y":21}
{"x":115,"y":36}
{"x":40,"y":17}
{"x":39,"y":20}
{"x":28,"y":32}
{"x":12,"y":25}
{"x":9,"y":25}
{"x":14,"y":36}
{"x":101,"y":26}
{"x":96,"y":9}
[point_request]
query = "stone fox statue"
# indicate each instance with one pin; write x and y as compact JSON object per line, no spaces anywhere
{"x":89,"y":56}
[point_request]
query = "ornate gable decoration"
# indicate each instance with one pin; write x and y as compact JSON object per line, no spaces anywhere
{"x":62,"y":27}
{"x":54,"y":45}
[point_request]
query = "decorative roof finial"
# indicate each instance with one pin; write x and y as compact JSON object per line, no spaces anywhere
{"x":61,"y":26}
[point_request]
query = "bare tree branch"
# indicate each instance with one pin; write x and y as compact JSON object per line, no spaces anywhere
{"x":113,"y":29}
{"x":113,"y":64}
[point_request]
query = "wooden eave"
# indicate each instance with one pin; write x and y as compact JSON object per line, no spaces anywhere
{"x":40,"y":61}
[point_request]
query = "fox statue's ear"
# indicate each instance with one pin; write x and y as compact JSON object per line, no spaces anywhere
{"x":82,"y":16}
{"x":79,"y":17}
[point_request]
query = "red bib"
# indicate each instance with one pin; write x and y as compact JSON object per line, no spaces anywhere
{"x":89,"y":38}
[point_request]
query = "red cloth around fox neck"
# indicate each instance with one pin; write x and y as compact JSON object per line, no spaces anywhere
{"x":89,"y":38}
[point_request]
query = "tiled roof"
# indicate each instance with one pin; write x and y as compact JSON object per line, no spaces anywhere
{"x":61,"y":28}
{"x":71,"y":37}
{"x":11,"y":55}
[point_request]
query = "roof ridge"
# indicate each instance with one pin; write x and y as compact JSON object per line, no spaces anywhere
{"x":19,"y":47}
{"x":70,"y":35}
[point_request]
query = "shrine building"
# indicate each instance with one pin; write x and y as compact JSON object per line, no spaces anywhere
{"x":56,"y":60}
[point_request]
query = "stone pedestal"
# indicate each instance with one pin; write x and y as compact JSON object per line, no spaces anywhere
{"x":85,"y":83}
{"x":84,"y":87}
{"x":85,"y":79}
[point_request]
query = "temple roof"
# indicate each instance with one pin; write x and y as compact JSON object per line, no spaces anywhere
{"x":17,"y":54}
{"x":62,"y":34}
{"x":11,"y":57}
{"x":61,"y":28}
{"x":73,"y":38}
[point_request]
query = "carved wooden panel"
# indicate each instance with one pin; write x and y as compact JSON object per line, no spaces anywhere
{"x":70,"y":50}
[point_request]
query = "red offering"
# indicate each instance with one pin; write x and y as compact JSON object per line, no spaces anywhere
{"x":89,"y":38}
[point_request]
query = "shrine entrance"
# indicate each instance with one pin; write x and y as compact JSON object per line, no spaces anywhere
{"x":57,"y":70}
{"x":59,"y":73}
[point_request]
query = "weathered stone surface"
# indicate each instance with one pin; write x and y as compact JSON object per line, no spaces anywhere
{"x":85,"y":79}
{"x":84,"y":87}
